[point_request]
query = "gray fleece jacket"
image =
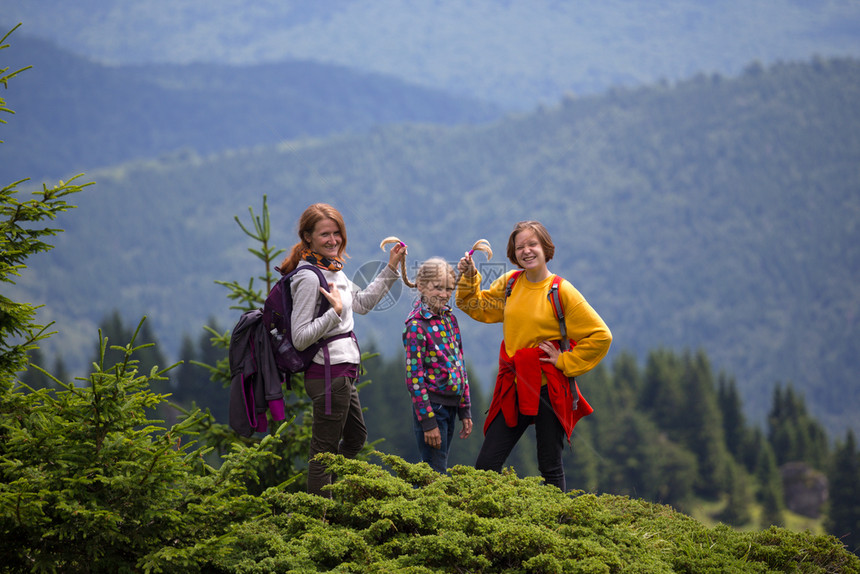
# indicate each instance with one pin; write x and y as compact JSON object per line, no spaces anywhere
{"x":306,"y":329}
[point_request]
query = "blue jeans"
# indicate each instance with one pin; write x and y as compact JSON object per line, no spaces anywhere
{"x":446,"y":419}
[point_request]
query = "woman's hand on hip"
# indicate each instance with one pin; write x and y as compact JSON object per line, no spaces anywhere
{"x":551,"y":351}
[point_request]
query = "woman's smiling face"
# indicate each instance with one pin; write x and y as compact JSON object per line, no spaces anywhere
{"x":529,"y":251}
{"x":325,"y":239}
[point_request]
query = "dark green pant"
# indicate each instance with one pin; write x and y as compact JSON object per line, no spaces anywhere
{"x":340,"y":432}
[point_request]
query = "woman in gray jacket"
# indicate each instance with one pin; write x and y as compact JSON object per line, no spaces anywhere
{"x":338,"y":424}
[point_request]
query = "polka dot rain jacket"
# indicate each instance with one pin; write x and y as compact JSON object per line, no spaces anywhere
{"x":435,"y":368}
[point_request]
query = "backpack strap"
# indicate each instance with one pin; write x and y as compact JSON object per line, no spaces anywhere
{"x":511,"y":280}
{"x":327,"y":365}
{"x":324,"y":304}
{"x":558,"y":310}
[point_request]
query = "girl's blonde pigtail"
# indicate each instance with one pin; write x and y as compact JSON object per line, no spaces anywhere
{"x":392,"y":239}
{"x":480,"y":245}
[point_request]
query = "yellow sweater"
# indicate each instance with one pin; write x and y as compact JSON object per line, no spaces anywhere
{"x":527,"y":318}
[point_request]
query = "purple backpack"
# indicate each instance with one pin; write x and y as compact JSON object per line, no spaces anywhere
{"x":277,"y":315}
{"x":277,"y":312}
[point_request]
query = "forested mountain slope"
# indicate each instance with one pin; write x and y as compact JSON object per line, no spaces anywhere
{"x":74,"y":115}
{"x":718,"y":213}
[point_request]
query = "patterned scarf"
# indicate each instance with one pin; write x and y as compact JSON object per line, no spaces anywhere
{"x":320,"y":261}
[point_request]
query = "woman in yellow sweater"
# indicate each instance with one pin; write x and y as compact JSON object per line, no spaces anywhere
{"x":535,"y":381}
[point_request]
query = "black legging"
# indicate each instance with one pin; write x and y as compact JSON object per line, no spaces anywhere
{"x":549,"y":436}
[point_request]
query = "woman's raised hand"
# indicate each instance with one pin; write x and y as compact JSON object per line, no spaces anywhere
{"x":397,"y":255}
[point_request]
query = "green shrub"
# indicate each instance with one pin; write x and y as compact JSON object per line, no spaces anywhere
{"x":413,"y":520}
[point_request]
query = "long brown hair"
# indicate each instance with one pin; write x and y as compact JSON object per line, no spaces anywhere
{"x":307,"y":222}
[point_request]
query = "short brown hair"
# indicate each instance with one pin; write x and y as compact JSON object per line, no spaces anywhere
{"x":543,"y":238}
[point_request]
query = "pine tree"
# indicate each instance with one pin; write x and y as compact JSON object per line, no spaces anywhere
{"x":581,"y":459}
{"x":210,"y":353}
{"x":388,"y":406}
{"x":292,"y":453}
{"x":581,"y":462}
{"x":734,"y":423}
{"x":193,"y":385}
{"x":661,"y":394}
{"x":770,"y":493}
{"x":672,"y":473}
{"x":22,"y":237}
{"x":703,"y":426}
{"x":92,"y":484}
{"x":89,"y":484}
{"x":794,"y":435}
{"x":60,"y":371}
{"x":751,"y":447}
{"x":624,"y":454}
{"x":737,"y":509}
{"x":32,"y":377}
{"x":114,"y":330}
{"x":634,"y":455}
{"x":183,"y":381}
{"x":208,"y":391}
{"x":626,"y":382}
{"x":843,"y":519}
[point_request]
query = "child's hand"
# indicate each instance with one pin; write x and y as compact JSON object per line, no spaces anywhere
{"x":467,"y":428}
{"x":333,"y":297}
{"x":466,"y":266}
{"x":433,"y":438}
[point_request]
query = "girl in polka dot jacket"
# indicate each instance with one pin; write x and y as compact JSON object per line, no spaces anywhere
{"x":435,"y":368}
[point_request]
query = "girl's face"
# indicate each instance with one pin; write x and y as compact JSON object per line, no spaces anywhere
{"x":437,"y":291}
{"x":529,"y":251}
{"x":325,"y":238}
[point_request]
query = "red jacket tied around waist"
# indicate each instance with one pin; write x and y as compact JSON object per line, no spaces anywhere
{"x":518,"y":387}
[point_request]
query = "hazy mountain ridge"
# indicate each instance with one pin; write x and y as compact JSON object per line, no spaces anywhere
{"x":718,"y":213}
{"x":515,"y":53}
{"x":74,"y":115}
